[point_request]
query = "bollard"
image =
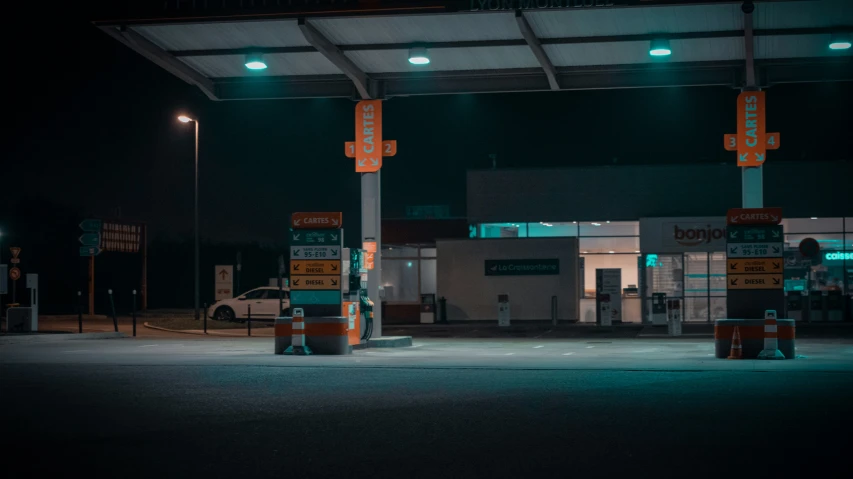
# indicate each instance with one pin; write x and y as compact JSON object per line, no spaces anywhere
{"x":133,"y":313}
{"x":297,"y":344}
{"x":79,"y":312}
{"x":771,"y":337}
{"x":205,"y":318}
{"x":554,"y":310}
{"x":249,"y":321}
{"x":113,"y":308}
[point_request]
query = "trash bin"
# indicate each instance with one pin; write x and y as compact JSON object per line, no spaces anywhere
{"x":428,"y":308}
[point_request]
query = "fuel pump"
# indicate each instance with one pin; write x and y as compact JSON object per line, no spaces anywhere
{"x":358,"y":290}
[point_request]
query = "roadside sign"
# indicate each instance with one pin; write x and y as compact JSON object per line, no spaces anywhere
{"x":121,"y":237}
{"x":90,"y":251}
{"x":91,"y":226}
{"x":751,"y":147}
{"x":756,"y":233}
{"x":15,"y":260}
{"x":368,"y":136}
{"x":315,"y":252}
{"x":223,"y":282}
{"x":389,"y":148}
{"x":771,"y":142}
{"x":315,"y":282}
{"x":368,"y":260}
{"x":315,"y":267}
{"x":90,"y":239}
{"x":319,"y":237}
{"x":755,"y":250}
{"x":369,"y":246}
{"x":14,"y":273}
{"x":15,"y":251}
{"x":759,"y":265}
{"x":754,"y":216}
{"x":755,"y":281}
{"x":316,"y":220}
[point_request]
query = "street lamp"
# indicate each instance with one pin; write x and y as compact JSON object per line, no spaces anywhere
{"x":186,"y":119}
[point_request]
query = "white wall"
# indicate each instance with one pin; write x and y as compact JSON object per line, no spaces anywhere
{"x":471,"y":295}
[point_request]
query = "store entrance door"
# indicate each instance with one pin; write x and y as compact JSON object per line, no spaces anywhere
{"x":698,"y":280}
{"x":705,"y":286}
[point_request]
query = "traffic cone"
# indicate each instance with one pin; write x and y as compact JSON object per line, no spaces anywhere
{"x":736,"y":352}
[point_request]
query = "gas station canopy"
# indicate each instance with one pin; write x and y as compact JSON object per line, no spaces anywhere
{"x":361,"y":49}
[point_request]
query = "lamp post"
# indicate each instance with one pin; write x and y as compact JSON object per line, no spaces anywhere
{"x":186,"y":119}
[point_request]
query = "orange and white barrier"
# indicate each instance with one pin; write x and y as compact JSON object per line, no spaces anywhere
{"x":771,"y":337}
{"x":736,"y":351}
{"x":297,"y":344}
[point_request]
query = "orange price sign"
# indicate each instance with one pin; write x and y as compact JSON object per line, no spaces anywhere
{"x":751,"y":147}
{"x":368,"y":260}
{"x":730,"y":142}
{"x":368,"y":136}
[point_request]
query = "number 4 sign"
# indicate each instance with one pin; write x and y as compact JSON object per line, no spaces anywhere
{"x":730,"y":141}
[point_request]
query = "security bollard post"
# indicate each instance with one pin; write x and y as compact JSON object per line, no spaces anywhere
{"x":113,"y":309}
{"x":133,"y":313}
{"x":79,"y":312}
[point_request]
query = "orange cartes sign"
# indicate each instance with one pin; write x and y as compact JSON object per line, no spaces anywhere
{"x":368,"y":136}
{"x":315,"y":220}
{"x":751,"y":146}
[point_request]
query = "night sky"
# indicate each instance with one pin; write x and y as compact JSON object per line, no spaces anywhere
{"x":94,"y":129}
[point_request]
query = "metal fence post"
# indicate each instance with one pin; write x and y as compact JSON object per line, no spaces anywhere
{"x":113,"y":308}
{"x":205,"y":318}
{"x":134,"y":313}
{"x":79,"y":312}
{"x":250,"y":319}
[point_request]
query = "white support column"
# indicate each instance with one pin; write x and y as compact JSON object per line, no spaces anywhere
{"x":752,"y":181}
{"x":371,"y":230}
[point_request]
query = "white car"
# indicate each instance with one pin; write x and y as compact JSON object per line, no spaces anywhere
{"x":264,"y":303}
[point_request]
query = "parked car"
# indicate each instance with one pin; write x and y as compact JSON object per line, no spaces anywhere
{"x":264,"y":302}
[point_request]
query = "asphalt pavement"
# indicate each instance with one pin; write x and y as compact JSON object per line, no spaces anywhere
{"x":229,"y":408}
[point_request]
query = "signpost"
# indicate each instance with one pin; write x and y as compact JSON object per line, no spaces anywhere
{"x":315,"y":263}
{"x":120,"y":236}
{"x":755,"y":262}
{"x":224,"y":282}
{"x":368,"y":149}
